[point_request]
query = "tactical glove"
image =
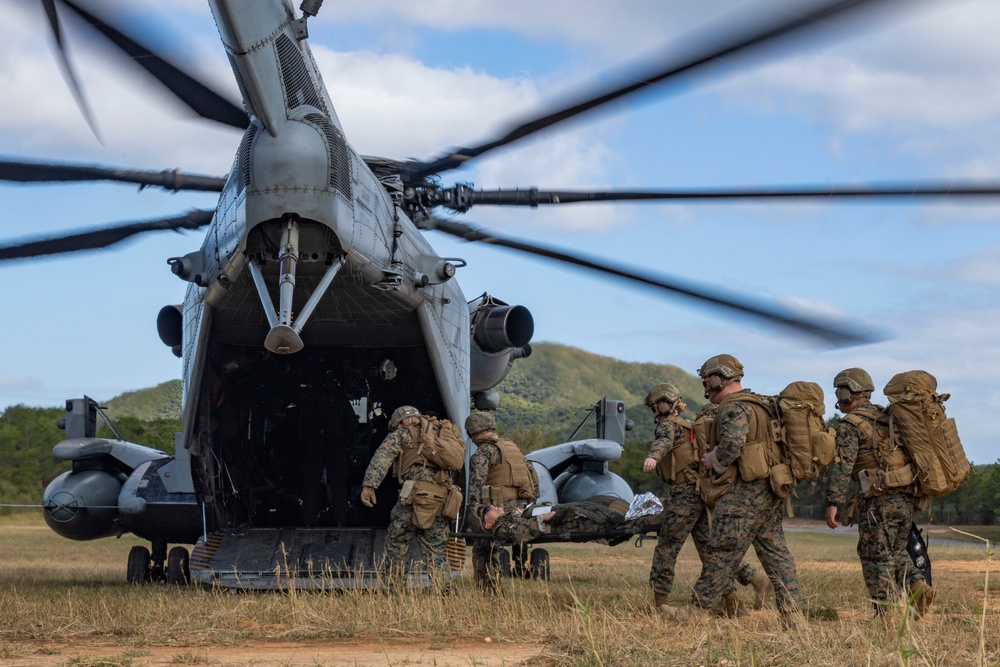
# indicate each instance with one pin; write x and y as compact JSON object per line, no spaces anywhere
{"x":368,"y":496}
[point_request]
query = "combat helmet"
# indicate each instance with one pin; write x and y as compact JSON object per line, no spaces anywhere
{"x":663,"y":392}
{"x":725,"y":365}
{"x":479,"y":421}
{"x":856,"y":380}
{"x":401,"y":413}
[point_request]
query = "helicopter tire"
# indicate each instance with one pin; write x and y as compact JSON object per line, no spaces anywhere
{"x":503,"y":563}
{"x":138,"y":566}
{"x":178,"y":570}
{"x":540,"y":568}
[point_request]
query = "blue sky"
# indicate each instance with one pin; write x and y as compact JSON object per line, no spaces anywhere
{"x":906,"y":95}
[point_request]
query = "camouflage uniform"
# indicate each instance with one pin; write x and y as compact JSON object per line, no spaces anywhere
{"x":749,"y":513}
{"x":484,"y":552}
{"x":883,"y":521}
{"x":432,"y":541}
{"x":684,"y":513}
{"x":592,"y":516}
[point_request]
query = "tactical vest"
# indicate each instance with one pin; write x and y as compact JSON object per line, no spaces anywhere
{"x":410,"y":454}
{"x":885,"y":464}
{"x":680,"y":463}
{"x":511,"y":478}
{"x":761,"y":451}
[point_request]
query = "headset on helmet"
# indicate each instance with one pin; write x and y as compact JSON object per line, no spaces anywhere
{"x":725,"y":365}
{"x":479,"y":421}
{"x":855,"y":379}
{"x":401,"y":413}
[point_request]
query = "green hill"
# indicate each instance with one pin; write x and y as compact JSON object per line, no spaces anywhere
{"x":160,"y":402}
{"x":548,"y":394}
{"x":553,"y":389}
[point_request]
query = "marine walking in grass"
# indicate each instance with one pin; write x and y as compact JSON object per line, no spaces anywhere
{"x":749,"y":512}
{"x":886,"y":502}
{"x":675,"y":455}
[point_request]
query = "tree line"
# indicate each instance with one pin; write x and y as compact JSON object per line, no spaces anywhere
{"x":27,"y":436}
{"x":974,"y":503}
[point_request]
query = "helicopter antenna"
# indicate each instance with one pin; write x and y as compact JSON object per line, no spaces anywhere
{"x":579,"y":428}
{"x":107,"y":420}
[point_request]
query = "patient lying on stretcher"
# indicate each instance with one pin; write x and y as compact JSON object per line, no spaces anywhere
{"x":599,"y":518}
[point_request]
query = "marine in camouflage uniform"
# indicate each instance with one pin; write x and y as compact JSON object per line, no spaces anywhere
{"x":749,"y":513}
{"x":590,"y":517}
{"x":674,"y":454}
{"x":512,"y":483}
{"x":433,"y":540}
{"x":883,"y":520}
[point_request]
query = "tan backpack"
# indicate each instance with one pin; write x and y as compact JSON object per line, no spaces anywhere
{"x":794,"y":444}
{"x":918,"y":423}
{"x":809,"y":444}
{"x":442,"y":443}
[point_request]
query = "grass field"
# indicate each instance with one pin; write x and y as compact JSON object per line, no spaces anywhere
{"x":67,"y":603}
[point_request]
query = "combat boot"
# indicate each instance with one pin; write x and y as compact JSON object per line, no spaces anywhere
{"x":689,"y":613}
{"x":793,"y":620}
{"x":732,"y":607}
{"x":762,"y":588}
{"x":922,"y":596}
{"x":659,"y":600}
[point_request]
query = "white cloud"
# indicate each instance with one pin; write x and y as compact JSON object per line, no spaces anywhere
{"x":982,"y":267}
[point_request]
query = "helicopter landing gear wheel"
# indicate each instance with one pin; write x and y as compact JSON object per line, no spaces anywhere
{"x":503,"y":563}
{"x":521,"y":567}
{"x":138,"y":566}
{"x":540,"y":568}
{"x":178,"y":571}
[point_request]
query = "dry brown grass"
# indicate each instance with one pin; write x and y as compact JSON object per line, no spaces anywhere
{"x":595,"y":611}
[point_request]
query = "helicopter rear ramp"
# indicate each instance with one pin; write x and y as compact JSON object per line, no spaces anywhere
{"x":299,"y":558}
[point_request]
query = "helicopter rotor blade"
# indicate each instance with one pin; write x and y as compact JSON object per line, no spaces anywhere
{"x":465,"y":197}
{"x":67,"y":67}
{"x":199,"y":97}
{"x":829,"y":332}
{"x":714,"y":50}
{"x":40,"y":172}
{"x":94,"y":239}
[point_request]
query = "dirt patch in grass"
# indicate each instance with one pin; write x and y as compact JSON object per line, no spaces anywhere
{"x":355,"y":652}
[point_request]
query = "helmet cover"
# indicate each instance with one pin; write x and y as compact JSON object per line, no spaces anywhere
{"x":401,"y":413}
{"x":479,"y":421}
{"x":855,"y":379}
{"x":725,"y":365}
{"x":663,"y":392}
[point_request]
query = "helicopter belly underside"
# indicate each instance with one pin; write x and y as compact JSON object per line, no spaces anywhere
{"x":303,"y":558}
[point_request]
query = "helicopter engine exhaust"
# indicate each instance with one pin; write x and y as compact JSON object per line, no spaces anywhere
{"x":500,"y":335}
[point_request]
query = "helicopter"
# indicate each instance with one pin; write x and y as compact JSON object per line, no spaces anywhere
{"x":316,"y":305}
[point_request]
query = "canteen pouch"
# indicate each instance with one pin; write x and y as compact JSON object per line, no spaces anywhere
{"x":406,"y":492}
{"x":898,"y":477}
{"x":870,"y":483}
{"x":781,"y":480}
{"x":712,"y":487}
{"x":753,"y":462}
{"x":452,"y":503}
{"x":427,"y":499}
